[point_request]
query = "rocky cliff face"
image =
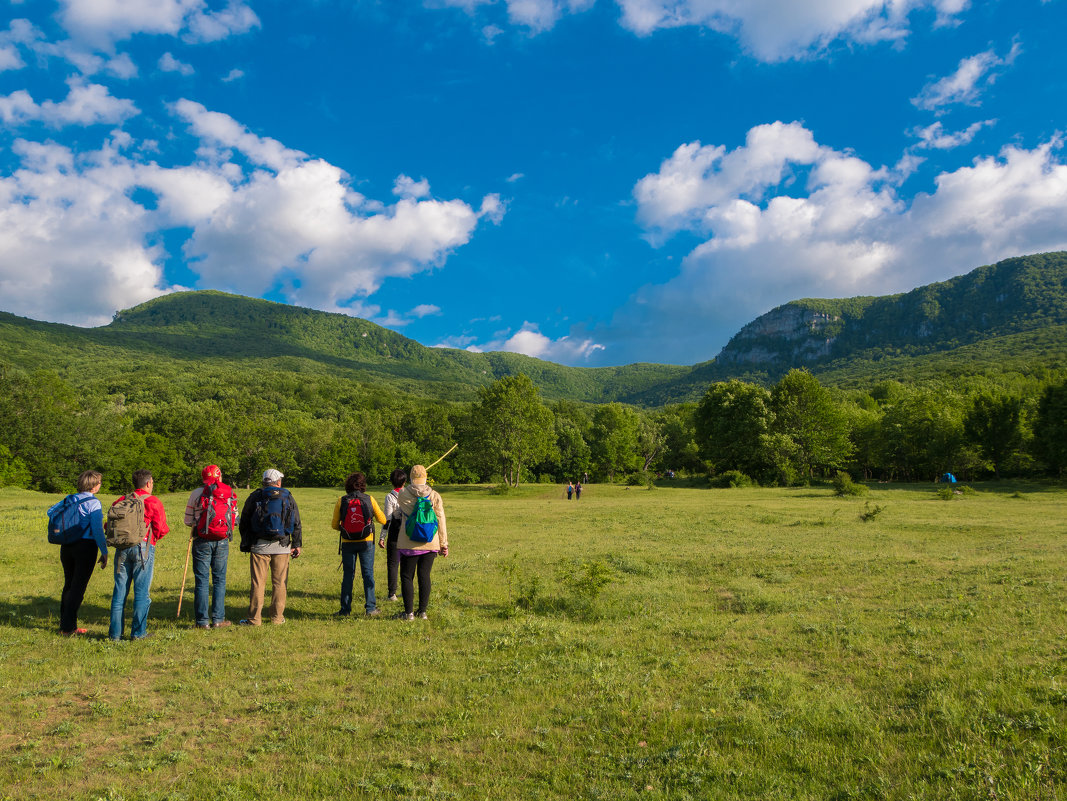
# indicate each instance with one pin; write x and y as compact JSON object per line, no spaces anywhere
{"x":789,"y":333}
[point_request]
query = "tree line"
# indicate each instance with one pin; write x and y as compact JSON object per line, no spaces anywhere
{"x":318,"y":428}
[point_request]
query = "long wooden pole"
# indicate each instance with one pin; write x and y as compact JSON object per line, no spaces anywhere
{"x":185,"y":573}
{"x":446,"y":454}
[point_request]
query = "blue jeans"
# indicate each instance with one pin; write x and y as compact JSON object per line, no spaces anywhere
{"x":350,"y":552}
{"x":133,"y":568}
{"x":209,"y":560}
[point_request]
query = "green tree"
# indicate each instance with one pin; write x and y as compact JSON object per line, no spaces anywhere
{"x":515,"y":426}
{"x":805,"y":412}
{"x":13,"y":471}
{"x":994,"y":425}
{"x":613,"y":440}
{"x":1050,"y":428}
{"x":731,"y":420}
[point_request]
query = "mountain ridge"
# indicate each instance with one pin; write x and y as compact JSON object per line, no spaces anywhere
{"x":1017,"y":308}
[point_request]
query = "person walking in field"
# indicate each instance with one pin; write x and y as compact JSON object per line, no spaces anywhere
{"x":570,"y":490}
{"x":578,"y":491}
{"x":423,"y":535}
{"x":211,"y":513}
{"x":354,"y":516}
{"x":392,"y":530}
{"x":135,"y":523}
{"x":81,"y":518}
{"x":270,"y":533}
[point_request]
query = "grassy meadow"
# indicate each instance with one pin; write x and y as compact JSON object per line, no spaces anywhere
{"x":638,"y":644}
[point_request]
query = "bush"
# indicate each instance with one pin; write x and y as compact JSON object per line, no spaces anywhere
{"x":871,"y":512}
{"x":731,"y":478}
{"x":635,"y":480}
{"x":844,"y":485}
{"x":499,"y":489}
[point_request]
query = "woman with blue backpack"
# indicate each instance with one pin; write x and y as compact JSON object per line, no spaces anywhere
{"x":422,"y":537}
{"x":77,"y":524}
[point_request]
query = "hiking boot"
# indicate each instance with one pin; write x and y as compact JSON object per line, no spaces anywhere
{"x":246,"y":622}
{"x":422,"y":616}
{"x":74,"y":633}
{"x":221,"y":624}
{"x":374,"y":613}
{"x":341,"y":614}
{"x":203,"y":625}
{"x":405,"y":616}
{"x":393,"y":598}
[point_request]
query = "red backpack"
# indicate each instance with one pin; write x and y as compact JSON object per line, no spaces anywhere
{"x":355,"y":519}
{"x":216,"y":513}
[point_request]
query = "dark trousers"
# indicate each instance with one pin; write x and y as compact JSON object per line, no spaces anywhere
{"x":409,"y":565}
{"x":392,"y":559}
{"x":78,"y":559}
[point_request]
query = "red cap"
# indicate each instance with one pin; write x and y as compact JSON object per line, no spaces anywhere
{"x":211,"y":473}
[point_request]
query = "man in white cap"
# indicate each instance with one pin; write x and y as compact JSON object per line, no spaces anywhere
{"x":270,"y":532}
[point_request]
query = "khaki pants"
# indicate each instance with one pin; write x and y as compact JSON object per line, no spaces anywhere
{"x":278,"y":564}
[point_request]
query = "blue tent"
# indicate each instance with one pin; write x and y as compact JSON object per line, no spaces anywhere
{"x":948,"y":478}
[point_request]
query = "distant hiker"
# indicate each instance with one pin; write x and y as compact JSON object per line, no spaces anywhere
{"x":422,"y":537}
{"x":135,"y":523}
{"x":578,"y":491}
{"x":270,"y":532}
{"x":212,"y":514}
{"x":570,"y":490}
{"x":78,"y":525}
{"x":392,"y":529}
{"x":354,"y":516}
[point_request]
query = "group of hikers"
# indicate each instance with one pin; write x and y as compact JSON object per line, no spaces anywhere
{"x":413,"y":534}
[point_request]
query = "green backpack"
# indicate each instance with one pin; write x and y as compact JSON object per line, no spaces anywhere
{"x":421,"y":525}
{"x":126,"y":525}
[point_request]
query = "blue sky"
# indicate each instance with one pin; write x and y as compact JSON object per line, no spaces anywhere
{"x":592,"y":182}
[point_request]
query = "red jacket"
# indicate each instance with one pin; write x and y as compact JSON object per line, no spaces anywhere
{"x":154,"y":516}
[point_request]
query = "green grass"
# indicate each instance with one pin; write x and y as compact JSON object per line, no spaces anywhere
{"x":665,"y":644}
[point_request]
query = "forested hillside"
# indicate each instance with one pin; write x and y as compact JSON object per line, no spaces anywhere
{"x":223,"y":334}
{"x":968,"y":376}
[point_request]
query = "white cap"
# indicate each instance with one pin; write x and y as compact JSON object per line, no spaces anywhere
{"x":272,"y":475}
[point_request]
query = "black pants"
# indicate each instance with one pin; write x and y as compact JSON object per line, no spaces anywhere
{"x":392,"y":559}
{"x":408,"y":567}
{"x":78,"y":559}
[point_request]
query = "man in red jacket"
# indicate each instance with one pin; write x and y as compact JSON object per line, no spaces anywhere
{"x":134,"y":564}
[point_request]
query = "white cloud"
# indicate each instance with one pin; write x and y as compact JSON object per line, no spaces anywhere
{"x":965,"y":85}
{"x":935,"y":137}
{"x":775,"y":30}
{"x":425,"y":310}
{"x":517,"y":176}
{"x":770,"y":30}
{"x":530,"y":341}
{"x":10,"y":58}
{"x":101,"y":23}
{"x":72,"y":242}
{"x":839,"y":229}
{"x":85,"y":104}
{"x":262,"y":216}
{"x":535,"y":15}
{"x":168,"y":63}
{"x":409,"y":187}
{"x":233,"y":75}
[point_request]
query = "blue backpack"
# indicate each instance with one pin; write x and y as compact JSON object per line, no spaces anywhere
{"x":421,"y":525}
{"x":273,"y":518}
{"x":65,"y":523}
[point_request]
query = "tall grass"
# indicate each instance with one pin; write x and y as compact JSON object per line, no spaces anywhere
{"x":683,"y":643}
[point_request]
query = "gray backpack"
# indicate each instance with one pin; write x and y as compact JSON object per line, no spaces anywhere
{"x":126,"y":525}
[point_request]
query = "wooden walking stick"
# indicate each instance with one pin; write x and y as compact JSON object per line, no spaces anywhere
{"x":185,"y":572}
{"x":446,"y":454}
